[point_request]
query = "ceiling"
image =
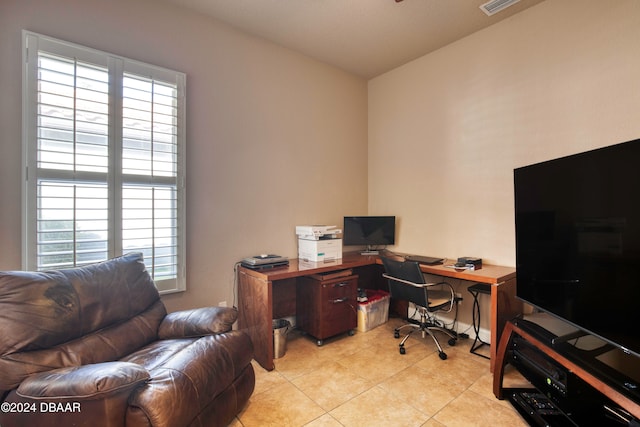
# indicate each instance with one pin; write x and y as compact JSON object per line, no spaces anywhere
{"x":364,"y":37}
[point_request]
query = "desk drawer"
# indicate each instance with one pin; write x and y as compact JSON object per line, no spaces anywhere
{"x":327,"y":308}
{"x":341,"y":289}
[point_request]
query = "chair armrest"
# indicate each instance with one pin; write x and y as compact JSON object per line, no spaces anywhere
{"x":418,"y":285}
{"x":89,"y":382}
{"x":447,"y":284}
{"x":197,"y":322}
{"x":95,"y":395}
{"x":445,"y":295}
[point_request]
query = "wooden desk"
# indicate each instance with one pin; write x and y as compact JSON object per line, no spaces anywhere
{"x":504,"y":305}
{"x":271,"y":294}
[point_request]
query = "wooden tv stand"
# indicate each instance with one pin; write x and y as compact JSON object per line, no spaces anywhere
{"x":271,"y":294}
{"x":588,"y":391}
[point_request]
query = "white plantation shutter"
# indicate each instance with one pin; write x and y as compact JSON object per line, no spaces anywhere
{"x":150,"y":168}
{"x":72,"y":119}
{"x":72,"y":223}
{"x":104,"y":150}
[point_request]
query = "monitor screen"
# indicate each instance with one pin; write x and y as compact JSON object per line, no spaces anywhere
{"x":369,"y":230}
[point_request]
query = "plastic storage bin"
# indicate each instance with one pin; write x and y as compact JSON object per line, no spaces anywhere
{"x":374,"y":312}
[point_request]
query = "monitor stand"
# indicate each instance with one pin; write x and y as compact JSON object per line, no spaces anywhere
{"x":370,"y":251}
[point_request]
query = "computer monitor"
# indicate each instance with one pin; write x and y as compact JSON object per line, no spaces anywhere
{"x":369,"y":231}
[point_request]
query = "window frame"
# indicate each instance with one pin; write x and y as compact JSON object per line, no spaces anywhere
{"x":118,"y":67}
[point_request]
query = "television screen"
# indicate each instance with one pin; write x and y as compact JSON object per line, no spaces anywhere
{"x":577,"y":222}
{"x":369,"y":230}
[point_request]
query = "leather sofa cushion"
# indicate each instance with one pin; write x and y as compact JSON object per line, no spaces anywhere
{"x":187,"y":374}
{"x":108,"y":344}
{"x":44,"y":309}
{"x":83,"y":382}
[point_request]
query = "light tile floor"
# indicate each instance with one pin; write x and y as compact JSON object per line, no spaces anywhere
{"x":363,"y":380}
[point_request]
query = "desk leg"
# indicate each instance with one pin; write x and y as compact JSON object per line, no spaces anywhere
{"x":255,"y":311}
{"x":504,"y":307}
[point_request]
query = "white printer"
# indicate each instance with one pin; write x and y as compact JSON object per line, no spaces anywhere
{"x":319,"y":242}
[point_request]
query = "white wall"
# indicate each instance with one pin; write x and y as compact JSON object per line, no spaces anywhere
{"x":447,"y":130}
{"x":444,"y":131}
{"x":268,"y":130}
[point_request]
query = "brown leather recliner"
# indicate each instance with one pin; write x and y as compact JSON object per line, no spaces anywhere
{"x":94,"y":346}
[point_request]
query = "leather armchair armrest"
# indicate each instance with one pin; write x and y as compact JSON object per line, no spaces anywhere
{"x":94,"y":381}
{"x":95,"y":395}
{"x":197,"y":322}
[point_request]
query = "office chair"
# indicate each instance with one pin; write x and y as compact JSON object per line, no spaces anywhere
{"x":406,"y":282}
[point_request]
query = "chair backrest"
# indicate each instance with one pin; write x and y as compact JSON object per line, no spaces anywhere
{"x":76,"y":316}
{"x":409,"y":271}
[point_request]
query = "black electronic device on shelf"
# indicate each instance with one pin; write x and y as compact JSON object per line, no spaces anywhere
{"x":561,"y":397}
{"x":265,"y":261}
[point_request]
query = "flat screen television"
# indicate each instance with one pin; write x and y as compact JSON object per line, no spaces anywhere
{"x":369,"y":231}
{"x":577,"y":229}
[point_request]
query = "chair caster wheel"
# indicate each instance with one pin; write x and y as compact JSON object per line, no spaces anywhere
{"x":452,"y":341}
{"x":396,"y":334}
{"x":403,"y":350}
{"x":442,"y":355}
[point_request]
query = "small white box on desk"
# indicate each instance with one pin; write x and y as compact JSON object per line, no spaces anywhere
{"x":320,"y":250}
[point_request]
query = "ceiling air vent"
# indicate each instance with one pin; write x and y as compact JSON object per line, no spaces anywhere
{"x":494,"y":6}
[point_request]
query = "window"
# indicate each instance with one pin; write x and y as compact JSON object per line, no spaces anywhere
{"x":104,"y":144}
